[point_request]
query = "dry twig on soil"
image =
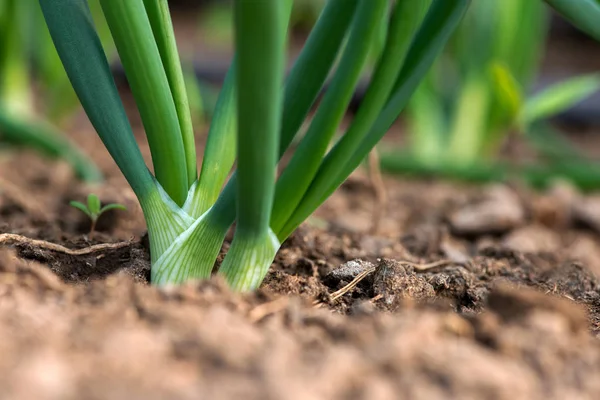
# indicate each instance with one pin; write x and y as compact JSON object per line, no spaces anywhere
{"x":10,"y":238}
{"x":379,"y":191}
{"x":417,"y":266}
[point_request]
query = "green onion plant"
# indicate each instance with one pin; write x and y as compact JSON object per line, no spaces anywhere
{"x":476,"y":95}
{"x":259,"y":111}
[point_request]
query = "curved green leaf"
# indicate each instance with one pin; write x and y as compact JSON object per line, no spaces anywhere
{"x":39,"y":135}
{"x":584,"y":14}
{"x":79,"y":48}
{"x":220,"y":150}
{"x":559,"y":97}
{"x":298,"y":174}
{"x":441,"y":21}
{"x":312,"y":66}
{"x":93,"y":204}
{"x":82,"y":207}
{"x":113,"y":206}
{"x":507,"y":92}
{"x":131,"y":30}
{"x":162,"y":26}
{"x":302,"y":86}
{"x":406,"y":19}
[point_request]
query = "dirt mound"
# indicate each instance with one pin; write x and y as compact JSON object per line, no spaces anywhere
{"x":119,"y":339}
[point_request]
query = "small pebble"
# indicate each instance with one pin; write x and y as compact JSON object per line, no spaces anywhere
{"x":533,"y":239}
{"x":587,"y":211}
{"x":347,"y":272}
{"x":500,"y":211}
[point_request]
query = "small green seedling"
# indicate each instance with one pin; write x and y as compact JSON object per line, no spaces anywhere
{"x":94,"y":210}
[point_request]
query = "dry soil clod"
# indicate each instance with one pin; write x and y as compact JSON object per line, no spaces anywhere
{"x":499,"y":211}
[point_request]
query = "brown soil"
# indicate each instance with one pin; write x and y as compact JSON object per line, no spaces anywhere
{"x":466,"y":293}
{"x":463,"y":292}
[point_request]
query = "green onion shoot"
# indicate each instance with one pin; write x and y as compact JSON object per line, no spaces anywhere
{"x":188,"y":210}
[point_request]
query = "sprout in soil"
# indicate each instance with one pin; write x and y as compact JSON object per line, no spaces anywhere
{"x":94,"y":210}
{"x":256,"y":118}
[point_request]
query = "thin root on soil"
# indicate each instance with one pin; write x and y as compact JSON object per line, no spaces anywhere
{"x":10,"y":238}
{"x":339,"y":293}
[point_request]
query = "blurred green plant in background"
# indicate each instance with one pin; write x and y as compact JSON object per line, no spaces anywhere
{"x":476,"y":95}
{"x":35,"y":94}
{"x":37,"y":100}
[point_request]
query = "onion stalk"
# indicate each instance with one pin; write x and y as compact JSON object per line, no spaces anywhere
{"x":256,"y":119}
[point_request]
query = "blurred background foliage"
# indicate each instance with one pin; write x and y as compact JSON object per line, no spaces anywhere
{"x":36,"y":98}
{"x":481,"y":93}
{"x":487,"y":91}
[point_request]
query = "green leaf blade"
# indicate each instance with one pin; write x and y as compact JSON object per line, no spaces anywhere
{"x":468,"y":126}
{"x":302,"y":87}
{"x":298,"y":174}
{"x":260,"y":47}
{"x":426,"y":125}
{"x":559,"y":97}
{"x":133,"y":36}
{"x":15,"y":93}
{"x":584,"y":14}
{"x":82,"y":207}
{"x":406,"y":19}
{"x":93,"y":203}
{"x":80,"y":50}
{"x":162,"y":27}
{"x":220,"y":151}
{"x":441,"y":21}
{"x":312,"y":66}
{"x":114,"y":206}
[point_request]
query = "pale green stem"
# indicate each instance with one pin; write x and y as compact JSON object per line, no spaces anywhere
{"x":468,"y":129}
